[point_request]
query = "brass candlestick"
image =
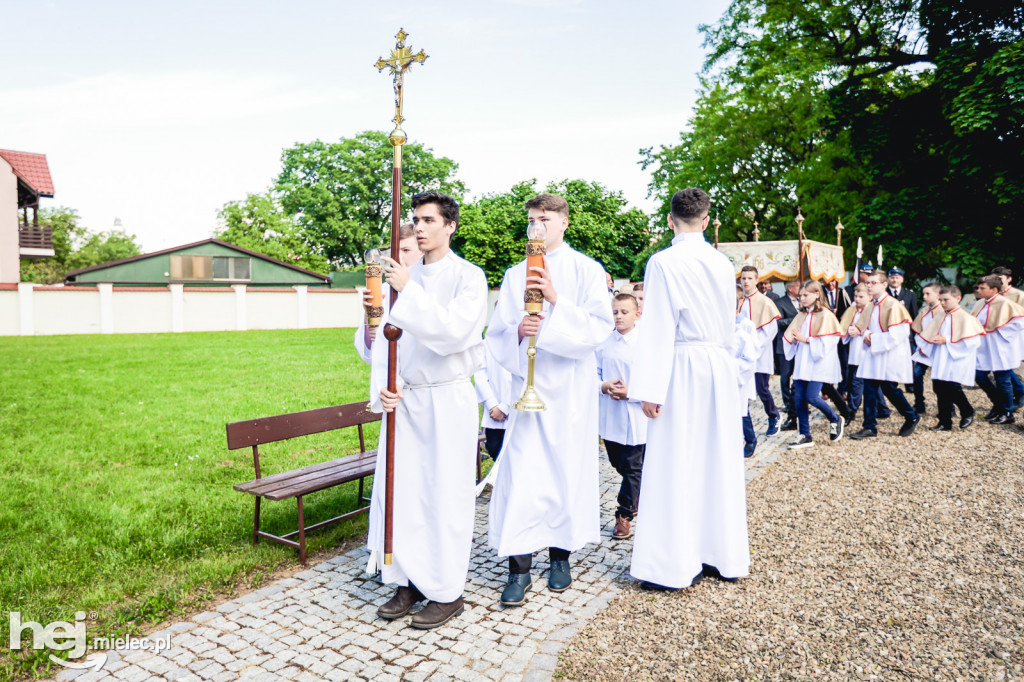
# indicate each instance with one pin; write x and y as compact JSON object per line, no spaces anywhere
{"x":534,"y":300}
{"x":374,"y":272}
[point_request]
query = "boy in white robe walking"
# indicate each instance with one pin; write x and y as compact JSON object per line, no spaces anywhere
{"x":694,"y":495}
{"x":1000,"y":349}
{"x":622,"y":423}
{"x":951,"y":343}
{"x":441,"y":310}
{"x":546,"y":488}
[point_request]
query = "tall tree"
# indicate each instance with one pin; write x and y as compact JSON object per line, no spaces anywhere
{"x":340,"y":192}
{"x":492,"y":232}
{"x":259,"y":223}
{"x":74,"y":247}
{"x":902,"y":117}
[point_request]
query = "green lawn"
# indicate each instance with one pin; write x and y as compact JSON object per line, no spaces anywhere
{"x":116,"y":481}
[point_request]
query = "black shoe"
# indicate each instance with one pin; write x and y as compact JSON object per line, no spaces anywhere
{"x":1004,"y":418}
{"x":514,"y":593}
{"x":713,"y":572}
{"x":941,"y":427}
{"x":559,"y":578}
{"x":992,"y":414}
{"x":748,"y":449}
{"x":864,"y":433}
{"x":920,"y":409}
{"x":909,"y":426}
{"x":399,"y":605}
{"x":434,"y":614}
{"x":648,"y":586}
{"x":801,"y":442}
{"x":773,"y":426}
{"x":966,"y":421}
{"x":789,"y":424}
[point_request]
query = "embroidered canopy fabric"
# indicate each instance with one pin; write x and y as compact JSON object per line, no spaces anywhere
{"x":781,"y":259}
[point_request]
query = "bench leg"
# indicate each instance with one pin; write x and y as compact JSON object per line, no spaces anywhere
{"x":360,"y":501}
{"x":256,"y":522}
{"x":302,"y":533}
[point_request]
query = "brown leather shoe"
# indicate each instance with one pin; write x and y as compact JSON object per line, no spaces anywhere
{"x":623,"y":529}
{"x":399,"y":605}
{"x":434,"y":615}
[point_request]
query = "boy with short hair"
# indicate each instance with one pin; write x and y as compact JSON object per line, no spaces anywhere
{"x":442,"y":310}
{"x":931,"y":307}
{"x":621,"y":421}
{"x":1000,"y":349}
{"x":546,"y":487}
{"x":762,"y":313}
{"x":951,"y":342}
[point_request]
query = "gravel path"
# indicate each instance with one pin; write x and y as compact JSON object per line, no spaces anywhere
{"x":881,"y":559}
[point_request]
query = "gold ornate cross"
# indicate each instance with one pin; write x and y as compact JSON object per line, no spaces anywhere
{"x":401,"y":59}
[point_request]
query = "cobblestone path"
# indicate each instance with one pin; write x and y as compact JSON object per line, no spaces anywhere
{"x":322,"y":625}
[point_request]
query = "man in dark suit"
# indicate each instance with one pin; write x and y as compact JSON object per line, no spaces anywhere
{"x":766,"y":289}
{"x":905,"y":296}
{"x":788,"y":306}
{"x":838,"y":301}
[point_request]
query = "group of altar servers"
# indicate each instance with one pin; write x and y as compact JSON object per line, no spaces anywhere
{"x":666,"y":390}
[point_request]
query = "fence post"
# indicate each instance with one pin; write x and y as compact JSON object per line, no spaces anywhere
{"x":177,"y":307}
{"x":240,"y":323}
{"x":26,"y":320}
{"x":302,"y":302}
{"x":106,"y":290}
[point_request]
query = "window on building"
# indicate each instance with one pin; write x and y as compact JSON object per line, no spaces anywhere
{"x":210,"y":268}
{"x":230,"y":268}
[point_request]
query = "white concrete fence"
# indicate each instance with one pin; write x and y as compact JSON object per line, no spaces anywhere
{"x":29,"y":309}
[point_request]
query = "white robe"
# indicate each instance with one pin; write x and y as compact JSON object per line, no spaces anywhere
{"x":620,"y":421}
{"x":920,"y":356}
{"x":814,"y":361}
{"x":546,"y":484}
{"x":1000,"y":349}
{"x":856,"y":343}
{"x":765,"y":337}
{"x":888,"y":356}
{"x":442,"y":312}
{"x":694,"y":495}
{"x":952,"y":361}
{"x":748,"y":351}
{"x":493,"y":389}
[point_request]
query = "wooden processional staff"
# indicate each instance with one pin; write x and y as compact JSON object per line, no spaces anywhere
{"x":401,"y":59}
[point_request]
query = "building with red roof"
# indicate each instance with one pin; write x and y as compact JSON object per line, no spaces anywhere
{"x":24,"y":179}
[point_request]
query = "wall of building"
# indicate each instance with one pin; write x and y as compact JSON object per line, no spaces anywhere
{"x":10,"y":252}
{"x":28,"y":309}
{"x":157,"y":269}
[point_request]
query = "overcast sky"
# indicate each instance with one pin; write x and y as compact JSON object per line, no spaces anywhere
{"x":159,"y":113}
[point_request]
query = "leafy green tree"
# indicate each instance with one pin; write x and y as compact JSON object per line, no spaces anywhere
{"x":102,"y":247}
{"x":902,"y":117}
{"x":340,"y":192}
{"x":260,"y":224}
{"x":492,"y":232}
{"x":74,"y":247}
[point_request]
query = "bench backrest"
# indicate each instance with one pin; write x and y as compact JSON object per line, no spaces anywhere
{"x":284,"y":426}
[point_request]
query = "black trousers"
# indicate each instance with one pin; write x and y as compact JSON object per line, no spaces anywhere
{"x":949,"y":393}
{"x":493,"y":440}
{"x":786,"y":368}
{"x":832,"y":393}
{"x":522,"y":563}
{"x":873,"y":398}
{"x":628,"y":460}
{"x":765,"y":395}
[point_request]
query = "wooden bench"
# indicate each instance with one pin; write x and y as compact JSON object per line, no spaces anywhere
{"x":310,"y":479}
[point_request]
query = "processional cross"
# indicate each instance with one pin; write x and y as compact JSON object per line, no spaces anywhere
{"x":401,"y":59}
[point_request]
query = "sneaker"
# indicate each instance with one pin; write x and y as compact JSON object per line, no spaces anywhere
{"x":748,"y":449}
{"x":835,"y":430}
{"x":908,"y":426}
{"x":801,"y":442}
{"x":789,"y":424}
{"x":773,"y":426}
{"x":623,"y":529}
{"x":864,"y":433}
